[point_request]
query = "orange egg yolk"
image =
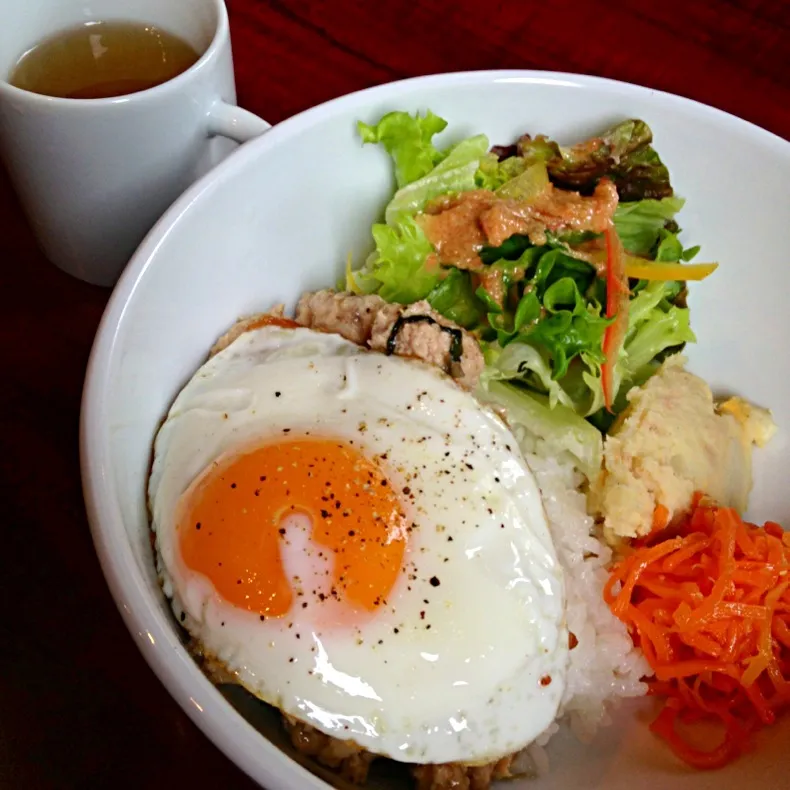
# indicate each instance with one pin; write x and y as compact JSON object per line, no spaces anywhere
{"x":234,"y":516}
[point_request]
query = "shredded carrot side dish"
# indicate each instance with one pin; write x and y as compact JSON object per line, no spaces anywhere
{"x":710,"y":608}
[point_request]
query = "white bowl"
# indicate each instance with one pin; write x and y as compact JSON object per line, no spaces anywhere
{"x":281,"y":215}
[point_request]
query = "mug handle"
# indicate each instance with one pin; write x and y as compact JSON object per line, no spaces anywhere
{"x":234,"y":122}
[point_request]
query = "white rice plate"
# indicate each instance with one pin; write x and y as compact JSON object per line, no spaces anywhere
{"x":605,"y":666}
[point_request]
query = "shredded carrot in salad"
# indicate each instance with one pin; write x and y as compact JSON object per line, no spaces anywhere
{"x":710,"y":609}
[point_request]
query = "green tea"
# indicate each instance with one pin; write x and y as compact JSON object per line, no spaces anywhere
{"x":102,"y":59}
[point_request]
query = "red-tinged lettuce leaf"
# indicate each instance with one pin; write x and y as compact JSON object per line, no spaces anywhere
{"x":622,"y":153}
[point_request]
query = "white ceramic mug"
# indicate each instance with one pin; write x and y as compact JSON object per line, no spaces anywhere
{"x":94,"y":175}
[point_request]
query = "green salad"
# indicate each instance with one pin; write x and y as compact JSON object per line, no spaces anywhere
{"x":564,"y":262}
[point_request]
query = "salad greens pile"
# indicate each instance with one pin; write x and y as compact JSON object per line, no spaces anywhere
{"x":545,"y":340}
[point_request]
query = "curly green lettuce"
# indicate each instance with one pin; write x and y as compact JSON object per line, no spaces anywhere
{"x":408,"y":140}
{"x":542,"y":331}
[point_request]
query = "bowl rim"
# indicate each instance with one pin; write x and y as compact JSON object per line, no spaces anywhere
{"x":154,"y":637}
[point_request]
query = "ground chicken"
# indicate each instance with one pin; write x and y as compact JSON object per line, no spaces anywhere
{"x":457,"y":776}
{"x":346,"y":314}
{"x":369,"y":320}
{"x":671,"y":441}
{"x":349,"y":760}
{"x":353,"y":763}
{"x":430,"y":342}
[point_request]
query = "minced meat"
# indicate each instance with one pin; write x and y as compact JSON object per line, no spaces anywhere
{"x":369,"y":321}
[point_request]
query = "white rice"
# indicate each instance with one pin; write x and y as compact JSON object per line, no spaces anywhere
{"x":605,"y":667}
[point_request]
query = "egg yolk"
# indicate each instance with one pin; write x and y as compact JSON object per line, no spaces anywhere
{"x":234,"y":516}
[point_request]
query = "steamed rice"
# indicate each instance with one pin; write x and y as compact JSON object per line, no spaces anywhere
{"x":605,"y":666}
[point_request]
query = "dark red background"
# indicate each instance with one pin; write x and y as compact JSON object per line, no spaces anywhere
{"x":78,"y":706}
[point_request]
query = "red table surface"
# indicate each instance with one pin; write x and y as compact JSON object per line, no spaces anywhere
{"x":78,"y":706}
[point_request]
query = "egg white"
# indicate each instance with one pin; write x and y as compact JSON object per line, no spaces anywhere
{"x":459,"y":678}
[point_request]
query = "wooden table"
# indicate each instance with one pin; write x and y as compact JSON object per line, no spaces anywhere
{"x":78,"y":706}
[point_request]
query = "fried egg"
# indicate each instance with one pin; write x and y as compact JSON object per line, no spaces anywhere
{"x":359,"y":542}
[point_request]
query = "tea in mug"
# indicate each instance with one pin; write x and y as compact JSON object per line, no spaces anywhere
{"x":98,"y":60}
